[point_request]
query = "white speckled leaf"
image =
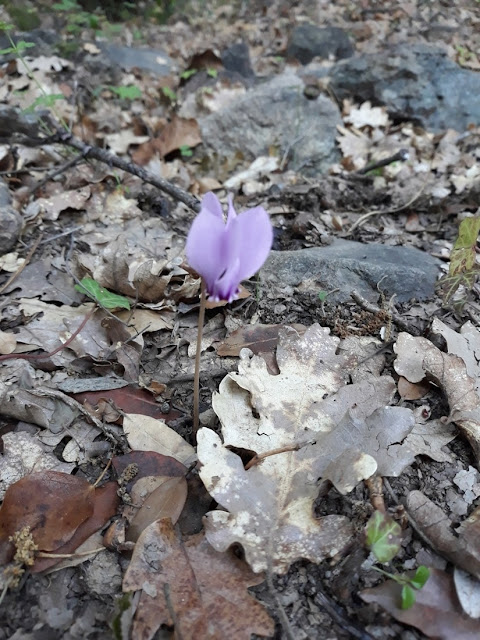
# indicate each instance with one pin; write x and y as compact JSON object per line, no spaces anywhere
{"x":346,"y":432}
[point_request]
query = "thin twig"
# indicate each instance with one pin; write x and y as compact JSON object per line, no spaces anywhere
{"x":401,"y":155}
{"x":50,"y":176}
{"x":66,"y":138}
{"x":196,"y":380}
{"x":365,"y":216}
{"x":373,"y":308}
{"x":259,"y":457}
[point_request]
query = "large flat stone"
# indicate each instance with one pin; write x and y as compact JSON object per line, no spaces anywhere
{"x":277,"y":114}
{"x":415,"y":82}
{"x":346,"y":265}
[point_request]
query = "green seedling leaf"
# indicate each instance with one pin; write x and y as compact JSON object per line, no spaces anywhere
{"x":408,"y":597}
{"x":463,"y":267}
{"x":44,"y":101}
{"x":383,"y":536}
{"x":4,"y":26}
{"x":169,"y":93}
{"x":422,"y":574}
{"x":188,"y":73}
{"x":185,"y":151}
{"x":213,"y":73}
{"x":130,"y":92}
{"x":322,"y":295}
{"x":99,"y":294}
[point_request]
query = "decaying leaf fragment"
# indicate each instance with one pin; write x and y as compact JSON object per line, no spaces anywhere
{"x":189,"y":584}
{"x":457,"y":372}
{"x":436,"y":611}
{"x":343,"y":433}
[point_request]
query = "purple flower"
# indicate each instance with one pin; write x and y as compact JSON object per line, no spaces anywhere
{"x":224,"y":253}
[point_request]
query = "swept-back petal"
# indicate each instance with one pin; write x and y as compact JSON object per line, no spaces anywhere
{"x":211,"y":203}
{"x":205,"y":247}
{"x":253,"y":240}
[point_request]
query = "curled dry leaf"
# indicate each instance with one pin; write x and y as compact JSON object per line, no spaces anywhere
{"x":189,"y":584}
{"x":462,"y":548}
{"x":436,"y":611}
{"x":342,"y":432}
{"x":457,"y":375}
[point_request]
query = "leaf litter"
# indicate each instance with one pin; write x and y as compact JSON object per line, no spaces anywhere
{"x":142,"y":258}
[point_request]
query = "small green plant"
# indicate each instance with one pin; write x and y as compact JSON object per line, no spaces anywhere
{"x":463,"y":268}
{"x":188,"y":73}
{"x":105,"y":298}
{"x":185,"y":151}
{"x":213,"y":73}
{"x":322,"y":295}
{"x":130,"y":92}
{"x":169,"y":93}
{"x":383,"y":537}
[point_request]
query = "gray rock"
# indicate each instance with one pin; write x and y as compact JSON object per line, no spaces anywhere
{"x":237,"y":59}
{"x":103,"y":574}
{"x":277,"y":114}
{"x":415,"y":82}
{"x":154,"y":60}
{"x":10,"y":221}
{"x":44,"y":41}
{"x":309,"y":41}
{"x":345,"y":265}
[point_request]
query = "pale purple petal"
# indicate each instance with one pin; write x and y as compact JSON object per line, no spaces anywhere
{"x":205,"y":247}
{"x":212,"y":204}
{"x":224,"y":253}
{"x":254,"y":237}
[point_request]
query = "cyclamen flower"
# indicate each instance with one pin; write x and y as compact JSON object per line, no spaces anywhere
{"x":226,"y":252}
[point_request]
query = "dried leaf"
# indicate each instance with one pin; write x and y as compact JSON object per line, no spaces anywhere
{"x":52,"y":504}
{"x":128,"y":400}
{"x":204,"y":590}
{"x":105,"y":504}
{"x":22,"y":455}
{"x":166,"y":501}
{"x":418,"y":358}
{"x":147,"y":434}
{"x":436,"y":611}
{"x":179,"y":132}
{"x":319,"y":426}
{"x":462,"y":548}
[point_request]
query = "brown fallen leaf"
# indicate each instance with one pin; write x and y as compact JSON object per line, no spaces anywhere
{"x":166,"y":501}
{"x":462,"y":548}
{"x":149,"y":463}
{"x":436,"y":612}
{"x":456,"y":375}
{"x":177,"y":133}
{"x":129,"y":400}
{"x":105,"y":505}
{"x":52,"y":504}
{"x":262,"y":339}
{"x":189,"y":584}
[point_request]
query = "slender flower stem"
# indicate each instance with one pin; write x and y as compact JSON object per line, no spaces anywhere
{"x":196,"y":379}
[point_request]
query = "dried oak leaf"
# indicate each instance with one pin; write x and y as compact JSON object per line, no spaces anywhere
{"x":436,"y":612}
{"x":205,"y":592}
{"x":456,"y":373}
{"x":344,"y":433}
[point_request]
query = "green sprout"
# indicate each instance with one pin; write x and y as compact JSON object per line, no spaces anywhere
{"x":130,"y":92}
{"x":185,"y":151}
{"x":213,"y":73}
{"x":97,"y":293}
{"x":188,"y":73}
{"x":383,"y":537}
{"x":169,"y":93}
